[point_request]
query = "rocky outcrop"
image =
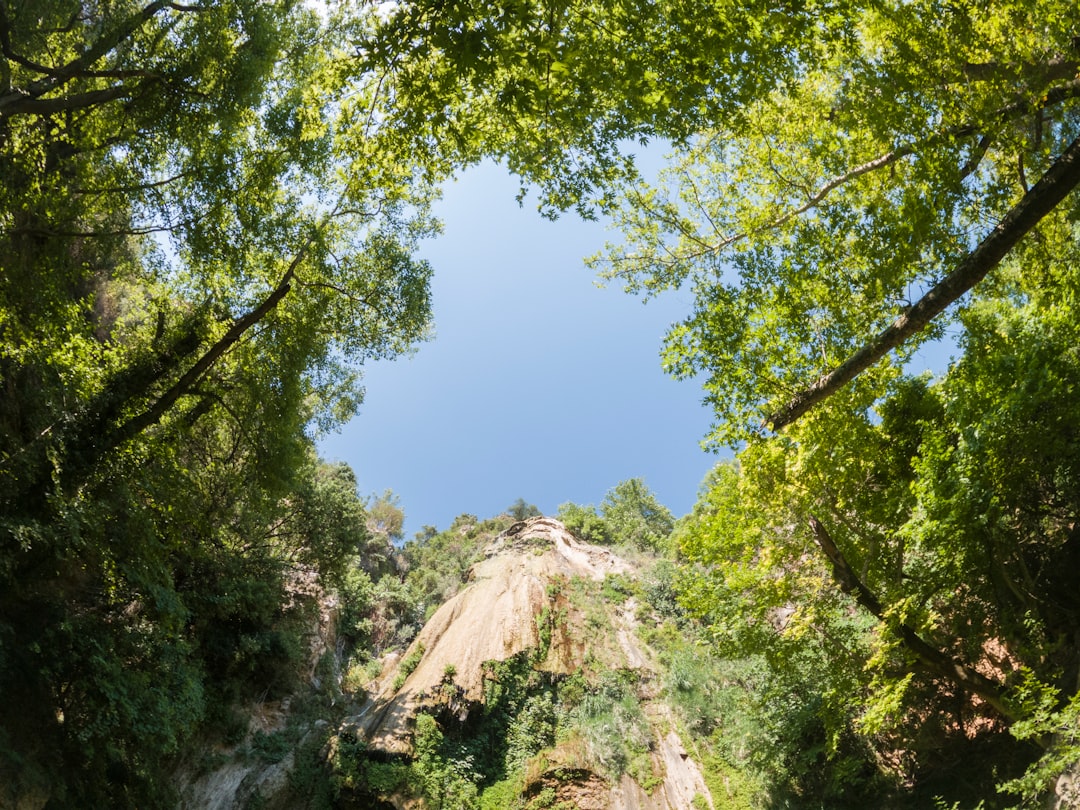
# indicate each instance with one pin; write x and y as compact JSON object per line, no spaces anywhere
{"x":517,"y":601}
{"x":493,"y":618}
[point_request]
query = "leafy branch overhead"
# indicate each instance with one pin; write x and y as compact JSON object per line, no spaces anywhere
{"x":204,"y":233}
{"x":831,"y":169}
{"x":836,"y":218}
{"x":209,"y":216}
{"x":1051,"y":190}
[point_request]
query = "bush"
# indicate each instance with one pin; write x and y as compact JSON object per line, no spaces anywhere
{"x":408,"y":664}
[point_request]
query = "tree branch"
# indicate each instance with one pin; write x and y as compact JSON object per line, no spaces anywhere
{"x":936,"y":661}
{"x":153,"y":414}
{"x":1060,"y":179}
{"x":19,"y":102}
{"x":28,"y":100}
{"x":135,"y":187}
{"x":106,"y":43}
{"x":1055,"y":96}
{"x":94,"y":439}
{"x":1053,"y":69}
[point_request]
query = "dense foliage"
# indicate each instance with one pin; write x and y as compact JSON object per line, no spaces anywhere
{"x":201,"y":241}
{"x":630,"y":515}
{"x":926,"y":558}
{"x":533,"y":721}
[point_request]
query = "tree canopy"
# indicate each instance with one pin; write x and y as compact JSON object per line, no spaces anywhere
{"x":205,"y":233}
{"x":848,"y":181}
{"x":832,"y":225}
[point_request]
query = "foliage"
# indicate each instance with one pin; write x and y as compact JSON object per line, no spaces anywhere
{"x":357,"y":595}
{"x":388,"y":613}
{"x":397,"y":613}
{"x":630,"y":514}
{"x":202,"y":242}
{"x":635,"y":517}
{"x":556,"y":88}
{"x":1046,"y":718}
{"x":489,"y":758}
{"x":444,"y":782}
{"x":880,"y":174}
{"x":208,"y":218}
{"x":617,"y":588}
{"x":520,"y":510}
{"x":386,"y":517}
{"x":504,"y":795}
{"x":584,"y":523}
{"x":271,"y":747}
{"x":814,"y":215}
{"x":408,"y":665}
{"x":616,"y":733}
{"x":438,"y":562}
{"x":951,"y":515}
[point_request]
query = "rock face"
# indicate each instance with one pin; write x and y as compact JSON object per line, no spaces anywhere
{"x":517,"y":601}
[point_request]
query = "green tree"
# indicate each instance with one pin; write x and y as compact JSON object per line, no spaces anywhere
{"x":330,"y":526}
{"x":584,"y":522}
{"x":842,"y":215}
{"x":386,"y":517}
{"x":204,"y":233}
{"x":944,"y":526}
{"x":847,"y":183}
{"x":557,"y":88}
{"x":520,"y":510}
{"x":841,"y":177}
{"x":634,"y":516}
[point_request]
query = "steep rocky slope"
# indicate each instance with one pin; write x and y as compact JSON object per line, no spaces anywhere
{"x":531,"y":656}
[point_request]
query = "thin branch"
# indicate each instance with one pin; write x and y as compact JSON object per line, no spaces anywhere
{"x":1054,"y":96}
{"x":149,"y":229}
{"x":119,"y":73}
{"x":5,"y":44}
{"x":1060,"y":179}
{"x":134,"y":187}
{"x":976,"y":157}
{"x":79,"y":66}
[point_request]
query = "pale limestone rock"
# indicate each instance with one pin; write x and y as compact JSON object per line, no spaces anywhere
{"x":495,"y":617}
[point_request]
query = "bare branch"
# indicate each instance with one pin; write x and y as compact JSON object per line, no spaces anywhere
{"x":1060,"y":179}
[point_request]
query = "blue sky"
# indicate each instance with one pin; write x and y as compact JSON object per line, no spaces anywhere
{"x":537,"y":383}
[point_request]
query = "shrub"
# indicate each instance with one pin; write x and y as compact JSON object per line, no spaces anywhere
{"x":408,"y":664}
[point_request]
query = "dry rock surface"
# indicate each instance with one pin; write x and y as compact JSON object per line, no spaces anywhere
{"x":499,"y":614}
